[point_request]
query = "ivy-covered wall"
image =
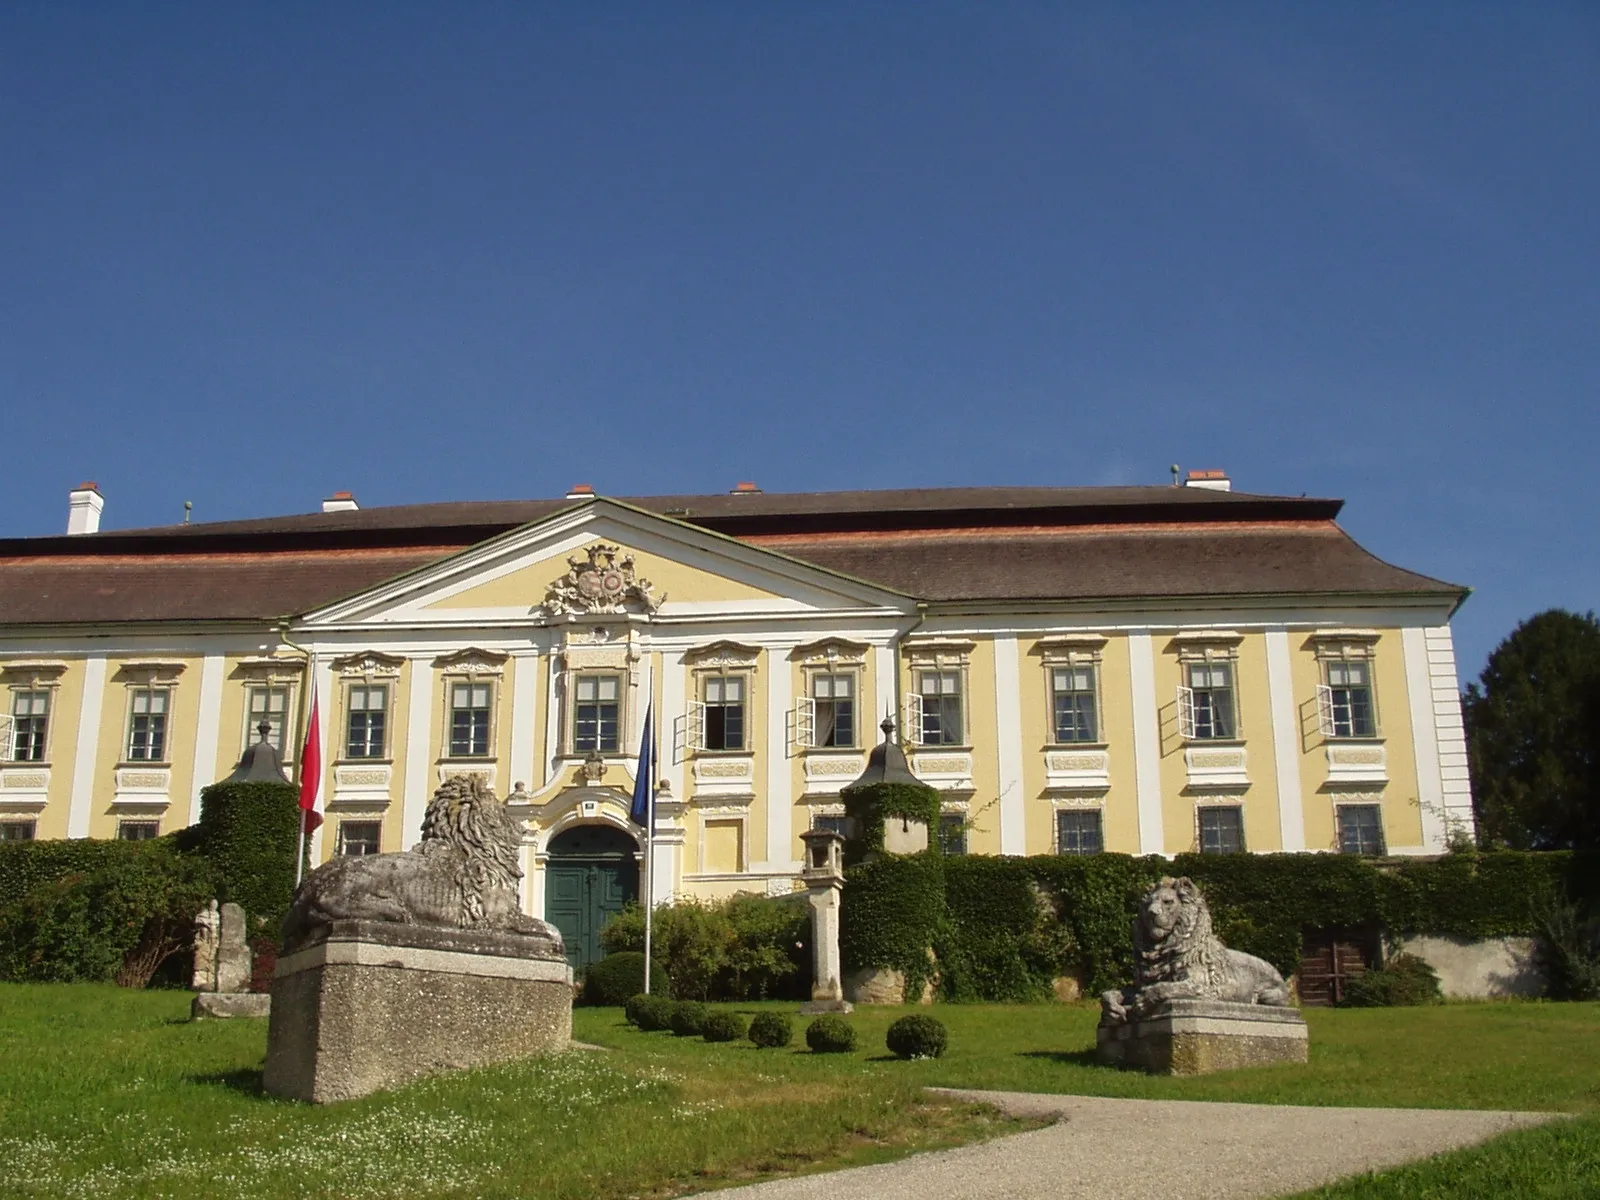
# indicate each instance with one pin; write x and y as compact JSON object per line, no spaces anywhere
{"x":250,"y":832}
{"x":1003,"y":928}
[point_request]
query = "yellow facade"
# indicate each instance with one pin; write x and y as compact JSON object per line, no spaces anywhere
{"x":731,"y":819}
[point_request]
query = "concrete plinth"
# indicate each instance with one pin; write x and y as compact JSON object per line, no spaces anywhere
{"x":369,"y":1005}
{"x":230,"y":1004}
{"x":1196,"y":1037}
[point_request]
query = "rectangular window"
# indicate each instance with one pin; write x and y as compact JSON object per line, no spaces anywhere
{"x":597,"y":714}
{"x":1072,"y":694}
{"x":1078,"y":831}
{"x":30,"y":721}
{"x":953,"y":833}
{"x":832,"y":822}
{"x":147,"y":725}
{"x":16,"y":831}
{"x":367,"y":722}
{"x":1360,"y":829}
{"x":724,"y":713}
{"x":941,"y":707}
{"x":469,"y":720}
{"x":724,"y":847}
{"x":1211,"y":700}
{"x":1348,"y":702}
{"x":835,"y":700}
{"x":1221,"y":830}
{"x":357,"y":838}
{"x":269,"y":704}
{"x":138,"y":831}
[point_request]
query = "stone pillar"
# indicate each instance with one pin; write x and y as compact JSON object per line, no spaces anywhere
{"x":233,"y":951}
{"x":824,"y":880}
{"x":207,"y":922}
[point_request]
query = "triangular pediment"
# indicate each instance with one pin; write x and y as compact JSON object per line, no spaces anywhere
{"x":604,"y":557}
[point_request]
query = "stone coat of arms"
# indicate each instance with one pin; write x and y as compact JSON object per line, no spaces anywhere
{"x":603,"y":580}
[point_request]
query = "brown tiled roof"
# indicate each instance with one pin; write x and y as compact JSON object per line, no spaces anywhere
{"x":1110,"y":563}
{"x":967,"y":544}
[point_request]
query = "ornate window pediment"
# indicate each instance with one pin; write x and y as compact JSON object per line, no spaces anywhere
{"x":368,"y":664}
{"x":933,"y":653}
{"x":33,"y":672}
{"x":472,"y":661}
{"x":150,"y":672}
{"x":831,"y":652}
{"x":723,"y":655}
{"x":1072,"y":648}
{"x":601,"y":580}
{"x":1203,"y":645}
{"x":269,"y":670}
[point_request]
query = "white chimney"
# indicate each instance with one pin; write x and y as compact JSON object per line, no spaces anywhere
{"x":340,"y":502}
{"x":84,"y":505}
{"x":1211,"y":481}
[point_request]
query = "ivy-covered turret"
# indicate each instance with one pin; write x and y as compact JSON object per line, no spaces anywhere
{"x":891,"y":811}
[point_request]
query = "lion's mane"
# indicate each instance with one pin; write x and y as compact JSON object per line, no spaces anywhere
{"x":1190,"y":950}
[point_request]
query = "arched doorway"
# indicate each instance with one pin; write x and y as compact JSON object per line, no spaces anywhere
{"x":591,"y":872}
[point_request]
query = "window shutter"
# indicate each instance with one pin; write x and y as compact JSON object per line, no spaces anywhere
{"x":6,"y":739}
{"x":1325,"y":709}
{"x":912,"y":733}
{"x":802,"y":724}
{"x":1185,"y":711}
{"x":697,"y":725}
{"x":680,"y":738}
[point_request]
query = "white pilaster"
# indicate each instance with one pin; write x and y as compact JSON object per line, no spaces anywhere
{"x":780,"y":797}
{"x":552,"y":721}
{"x":1285,"y":741}
{"x":1146,"y":742}
{"x":1449,"y":731}
{"x":88,"y":746}
{"x":1008,"y":722}
{"x":208,"y":731}
{"x":1424,"y":738}
{"x":419,"y":711}
{"x":324,"y":686}
{"x":673,"y":683}
{"x":524,"y":710}
{"x":883,"y":702}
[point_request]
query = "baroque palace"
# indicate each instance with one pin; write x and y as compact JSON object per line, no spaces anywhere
{"x":1149,"y":670}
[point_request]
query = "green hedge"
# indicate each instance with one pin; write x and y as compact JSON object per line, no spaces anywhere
{"x":26,"y":865}
{"x":1003,"y":928}
{"x":250,"y":833}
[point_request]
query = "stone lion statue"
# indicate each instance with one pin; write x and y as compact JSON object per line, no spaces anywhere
{"x":462,"y":875}
{"x":1177,"y":957}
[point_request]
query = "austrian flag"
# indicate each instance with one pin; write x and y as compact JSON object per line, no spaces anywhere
{"x":311,"y":774}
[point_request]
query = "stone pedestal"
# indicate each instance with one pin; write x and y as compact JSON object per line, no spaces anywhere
{"x":367,"y":1005}
{"x":1196,"y":1037}
{"x":230,"y":1004}
{"x":824,"y":878}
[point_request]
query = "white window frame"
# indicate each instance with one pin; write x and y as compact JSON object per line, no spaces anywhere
{"x":1100,"y":821}
{"x":451,"y":683}
{"x":1188,"y":720}
{"x":8,"y":728}
{"x":801,"y":725}
{"x":576,"y":679}
{"x":1376,"y":806}
{"x":1328,"y":710}
{"x":916,"y":704}
{"x":367,"y":686}
{"x":27,"y":823}
{"x":141,"y":823}
{"x":166,"y":691}
{"x":251,"y":719}
{"x":1075,"y":663}
{"x":345,"y":825}
{"x":699,"y":706}
{"x":1235,"y":806}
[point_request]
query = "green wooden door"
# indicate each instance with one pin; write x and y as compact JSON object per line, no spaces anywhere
{"x":590,"y":875}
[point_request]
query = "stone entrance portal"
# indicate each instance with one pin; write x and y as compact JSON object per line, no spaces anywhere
{"x":592,"y":871}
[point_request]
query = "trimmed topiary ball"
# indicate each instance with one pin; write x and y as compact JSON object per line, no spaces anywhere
{"x":689,"y":1018}
{"x":648,"y":1012}
{"x":723,"y":1026}
{"x":618,"y":976}
{"x":917,"y":1036}
{"x":831,"y":1035}
{"x":771,"y":1030}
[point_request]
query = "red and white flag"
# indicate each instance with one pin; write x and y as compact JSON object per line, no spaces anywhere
{"x":311,"y":774}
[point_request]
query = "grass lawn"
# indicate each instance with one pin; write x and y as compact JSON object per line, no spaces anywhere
{"x":105,"y":1092}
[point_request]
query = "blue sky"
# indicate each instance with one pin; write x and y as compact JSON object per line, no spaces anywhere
{"x":254,"y":254}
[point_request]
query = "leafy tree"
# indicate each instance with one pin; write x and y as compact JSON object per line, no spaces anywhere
{"x":1533,"y":735}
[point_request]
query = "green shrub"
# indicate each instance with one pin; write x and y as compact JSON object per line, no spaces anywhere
{"x":1405,"y":980}
{"x":893,"y":909}
{"x":743,"y":948}
{"x":651,"y":1012}
{"x":618,"y":976}
{"x":250,"y":833}
{"x":917,"y":1036}
{"x":689,"y":1018}
{"x":118,"y":922}
{"x":771,"y":1031}
{"x":723,"y":1026}
{"x":27,"y":865}
{"x":1569,"y":949}
{"x":831,"y":1035}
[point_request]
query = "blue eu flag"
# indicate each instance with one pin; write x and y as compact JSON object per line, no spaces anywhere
{"x":639,"y":813}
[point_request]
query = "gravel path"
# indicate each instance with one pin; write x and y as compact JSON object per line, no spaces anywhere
{"x":1186,"y":1148}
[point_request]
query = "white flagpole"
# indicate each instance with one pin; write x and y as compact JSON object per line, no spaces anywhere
{"x":300,"y":848}
{"x":649,"y":851}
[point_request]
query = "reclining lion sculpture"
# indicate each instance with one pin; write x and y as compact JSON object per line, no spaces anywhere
{"x":1178,"y":957}
{"x":462,"y":875}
